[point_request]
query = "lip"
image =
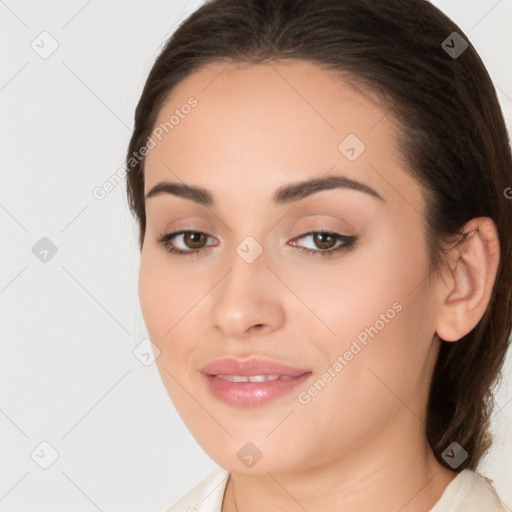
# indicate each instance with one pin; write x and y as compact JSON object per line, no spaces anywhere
{"x":250,"y":394}
{"x":248,"y":367}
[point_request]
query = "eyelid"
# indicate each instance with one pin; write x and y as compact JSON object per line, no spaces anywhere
{"x":317,"y":222}
{"x":304,"y":228}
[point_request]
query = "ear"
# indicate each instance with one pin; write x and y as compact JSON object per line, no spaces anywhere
{"x":472,"y":272}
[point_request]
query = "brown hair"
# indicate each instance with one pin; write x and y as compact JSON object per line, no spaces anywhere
{"x":453,"y":139}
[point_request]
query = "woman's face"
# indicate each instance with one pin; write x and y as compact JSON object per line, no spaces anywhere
{"x":360,"y":321}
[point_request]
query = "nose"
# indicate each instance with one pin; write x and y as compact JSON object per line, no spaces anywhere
{"x":248,"y":299}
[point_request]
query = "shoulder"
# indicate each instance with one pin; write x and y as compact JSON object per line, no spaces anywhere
{"x":469,"y":491}
{"x":206,"y":496}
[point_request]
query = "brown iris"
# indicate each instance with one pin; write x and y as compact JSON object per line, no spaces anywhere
{"x":324,"y":240}
{"x":193,"y":240}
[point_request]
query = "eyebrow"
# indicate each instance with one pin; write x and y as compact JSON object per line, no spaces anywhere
{"x":283,"y":195}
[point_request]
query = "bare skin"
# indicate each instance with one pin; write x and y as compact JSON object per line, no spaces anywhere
{"x":360,"y":443}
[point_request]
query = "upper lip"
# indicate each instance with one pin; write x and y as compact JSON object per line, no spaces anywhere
{"x":250,"y":367}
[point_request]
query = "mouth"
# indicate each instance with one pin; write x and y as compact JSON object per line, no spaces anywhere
{"x":245,"y":391}
{"x":251,"y":382}
{"x":254,"y":378}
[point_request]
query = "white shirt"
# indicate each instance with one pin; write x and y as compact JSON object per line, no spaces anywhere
{"x":467,"y":492}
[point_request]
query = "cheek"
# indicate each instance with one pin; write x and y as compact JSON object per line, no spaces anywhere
{"x":163,"y":305}
{"x":163,"y":299}
{"x":391,"y":318}
{"x":351,"y":294}
{"x":163,"y":291}
{"x":152,"y":295}
{"x":170,"y":301}
{"x":379,"y":301}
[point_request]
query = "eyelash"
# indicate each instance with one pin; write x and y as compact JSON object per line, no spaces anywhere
{"x":347,"y":243}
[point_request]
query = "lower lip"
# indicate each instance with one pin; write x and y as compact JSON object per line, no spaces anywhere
{"x":250,"y":394}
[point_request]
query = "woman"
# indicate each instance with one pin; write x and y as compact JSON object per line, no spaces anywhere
{"x":326,"y":251}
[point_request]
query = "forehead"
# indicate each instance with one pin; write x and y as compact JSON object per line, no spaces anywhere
{"x":274,"y":122}
{"x":290,"y":86}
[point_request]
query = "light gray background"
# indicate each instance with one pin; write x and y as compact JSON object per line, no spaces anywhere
{"x":69,"y":326}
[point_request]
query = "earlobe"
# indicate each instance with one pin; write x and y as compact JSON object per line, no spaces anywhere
{"x":473,"y":267}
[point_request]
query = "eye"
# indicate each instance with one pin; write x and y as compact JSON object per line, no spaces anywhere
{"x":192,"y":242}
{"x":326,"y":242}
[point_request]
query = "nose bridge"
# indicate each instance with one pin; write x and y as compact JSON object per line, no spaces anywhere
{"x":248,"y":266}
{"x":246,"y":296}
